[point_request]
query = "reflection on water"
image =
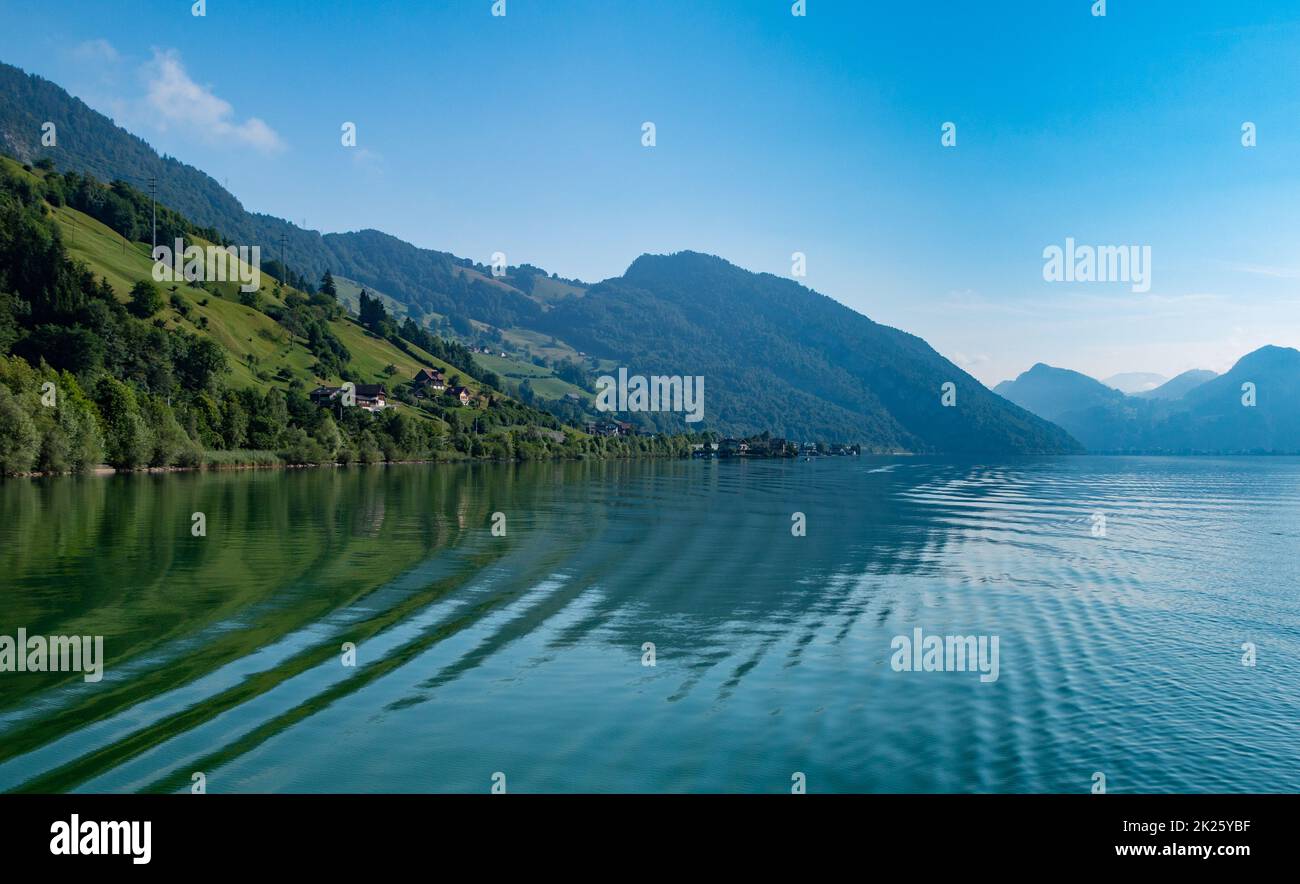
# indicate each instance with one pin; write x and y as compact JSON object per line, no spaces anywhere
{"x":523,"y":653}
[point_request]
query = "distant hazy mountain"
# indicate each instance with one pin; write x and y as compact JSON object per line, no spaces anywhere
{"x":1134,"y":382}
{"x":1210,"y":417}
{"x":1051,"y":392}
{"x":1214,"y":416}
{"x":1178,"y":387}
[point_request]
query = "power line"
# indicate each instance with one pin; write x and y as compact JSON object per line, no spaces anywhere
{"x":153,"y":209}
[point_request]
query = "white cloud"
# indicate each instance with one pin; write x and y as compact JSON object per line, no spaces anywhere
{"x":173,"y":99}
{"x":367,"y":159}
{"x":95,"y":52}
{"x":1265,"y":270}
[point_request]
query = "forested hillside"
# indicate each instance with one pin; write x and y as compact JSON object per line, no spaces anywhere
{"x":100,"y":364}
{"x":778,"y":355}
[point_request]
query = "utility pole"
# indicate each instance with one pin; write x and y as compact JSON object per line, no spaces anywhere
{"x":153,"y":208}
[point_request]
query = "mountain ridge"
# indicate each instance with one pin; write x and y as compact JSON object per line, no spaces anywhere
{"x":1252,"y":408}
{"x":818,"y":374}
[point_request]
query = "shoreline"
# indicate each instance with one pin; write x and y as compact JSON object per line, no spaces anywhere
{"x":104,"y":470}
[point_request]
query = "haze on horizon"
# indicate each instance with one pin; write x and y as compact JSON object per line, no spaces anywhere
{"x":775,"y":134}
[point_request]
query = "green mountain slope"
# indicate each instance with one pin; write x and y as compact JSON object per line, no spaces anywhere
{"x":90,"y":143}
{"x":178,"y":374}
{"x":778,"y":356}
{"x":256,"y":343}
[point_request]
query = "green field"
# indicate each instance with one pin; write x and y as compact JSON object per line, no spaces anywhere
{"x":257,"y":345}
{"x":349,"y":295}
{"x":543,"y":380}
{"x":541,"y":345}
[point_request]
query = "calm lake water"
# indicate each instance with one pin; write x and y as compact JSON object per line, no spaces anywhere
{"x":522,"y":654}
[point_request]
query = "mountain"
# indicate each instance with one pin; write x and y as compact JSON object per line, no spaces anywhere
{"x":1215,"y":416}
{"x":1179,"y":386}
{"x":1135,"y":381}
{"x":1089,"y":410}
{"x":209,"y":372}
{"x":1051,"y":392}
{"x":776,"y":355}
{"x":91,"y":144}
{"x":1211,"y":417}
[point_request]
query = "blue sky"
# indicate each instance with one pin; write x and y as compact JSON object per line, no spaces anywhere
{"x":775,"y":134}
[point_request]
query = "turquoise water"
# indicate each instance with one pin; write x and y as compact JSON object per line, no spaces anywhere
{"x":522,"y":654}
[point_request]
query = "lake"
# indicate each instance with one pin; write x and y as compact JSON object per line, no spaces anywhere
{"x":1120,"y":591}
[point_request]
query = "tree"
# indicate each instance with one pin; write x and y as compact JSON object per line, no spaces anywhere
{"x":77,"y":417}
{"x":327,"y":286}
{"x":168,"y":443}
{"x":145,"y":299}
{"x":18,"y":437}
{"x":199,"y":362}
{"x":327,"y":434}
{"x":9,"y":329}
{"x":126,"y":436}
{"x":372,"y":313}
{"x":234,"y":420}
{"x":268,"y":421}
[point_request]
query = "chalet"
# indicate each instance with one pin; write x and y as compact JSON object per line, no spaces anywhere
{"x":372,"y":397}
{"x":369,"y":397}
{"x":609,"y":428}
{"x":429,"y":379}
{"x":325,"y":395}
{"x":462,"y":394}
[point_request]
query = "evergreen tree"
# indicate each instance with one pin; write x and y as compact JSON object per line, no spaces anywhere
{"x":373,"y":315}
{"x":145,"y":299}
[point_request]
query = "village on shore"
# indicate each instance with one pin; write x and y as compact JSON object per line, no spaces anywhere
{"x":432,"y":382}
